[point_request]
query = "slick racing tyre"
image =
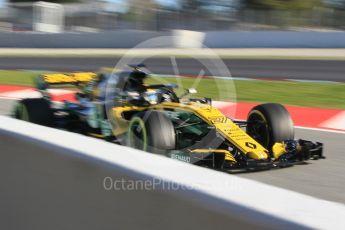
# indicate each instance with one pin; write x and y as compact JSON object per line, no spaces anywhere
{"x":151,"y":131}
{"x":35,"y":110}
{"x":270,"y":123}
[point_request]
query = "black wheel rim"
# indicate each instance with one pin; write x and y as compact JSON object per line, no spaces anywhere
{"x":258,"y":129}
{"x":137,"y":136}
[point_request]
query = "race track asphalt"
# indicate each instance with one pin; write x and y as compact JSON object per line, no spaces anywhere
{"x":320,"y":178}
{"x":323,"y":179}
{"x":266,"y":69}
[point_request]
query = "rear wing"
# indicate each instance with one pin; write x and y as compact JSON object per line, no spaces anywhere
{"x":66,"y":78}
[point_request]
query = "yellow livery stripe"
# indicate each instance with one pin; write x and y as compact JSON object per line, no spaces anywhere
{"x":61,"y":78}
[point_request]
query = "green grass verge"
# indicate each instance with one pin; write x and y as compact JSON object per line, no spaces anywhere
{"x":22,"y":78}
{"x":322,"y":95}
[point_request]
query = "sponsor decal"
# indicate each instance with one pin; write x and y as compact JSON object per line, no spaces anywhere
{"x":250,"y":145}
{"x":218,"y":119}
{"x":180,"y":157}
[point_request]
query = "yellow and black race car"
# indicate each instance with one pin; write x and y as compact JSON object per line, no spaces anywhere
{"x":119,"y":107}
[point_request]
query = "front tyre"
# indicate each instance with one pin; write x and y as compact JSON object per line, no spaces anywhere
{"x":151,"y":131}
{"x":270,"y":123}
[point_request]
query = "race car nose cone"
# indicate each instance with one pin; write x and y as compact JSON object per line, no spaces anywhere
{"x":257,"y":156}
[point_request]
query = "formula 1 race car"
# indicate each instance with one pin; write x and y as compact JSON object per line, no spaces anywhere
{"x":121,"y":108}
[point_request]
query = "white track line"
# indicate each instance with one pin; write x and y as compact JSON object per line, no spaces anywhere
{"x":335,"y":122}
{"x":8,"y":98}
{"x":23,"y":93}
{"x":321,"y":130}
{"x":32,"y":93}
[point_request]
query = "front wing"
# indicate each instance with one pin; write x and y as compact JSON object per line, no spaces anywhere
{"x":223,"y":160}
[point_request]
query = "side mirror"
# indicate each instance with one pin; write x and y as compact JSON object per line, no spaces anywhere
{"x":191,"y":91}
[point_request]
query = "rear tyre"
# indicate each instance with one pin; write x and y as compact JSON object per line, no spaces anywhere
{"x":270,"y":123}
{"x":35,"y":110}
{"x":151,"y":131}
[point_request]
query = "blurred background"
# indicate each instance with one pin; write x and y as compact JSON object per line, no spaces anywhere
{"x":162,"y":15}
